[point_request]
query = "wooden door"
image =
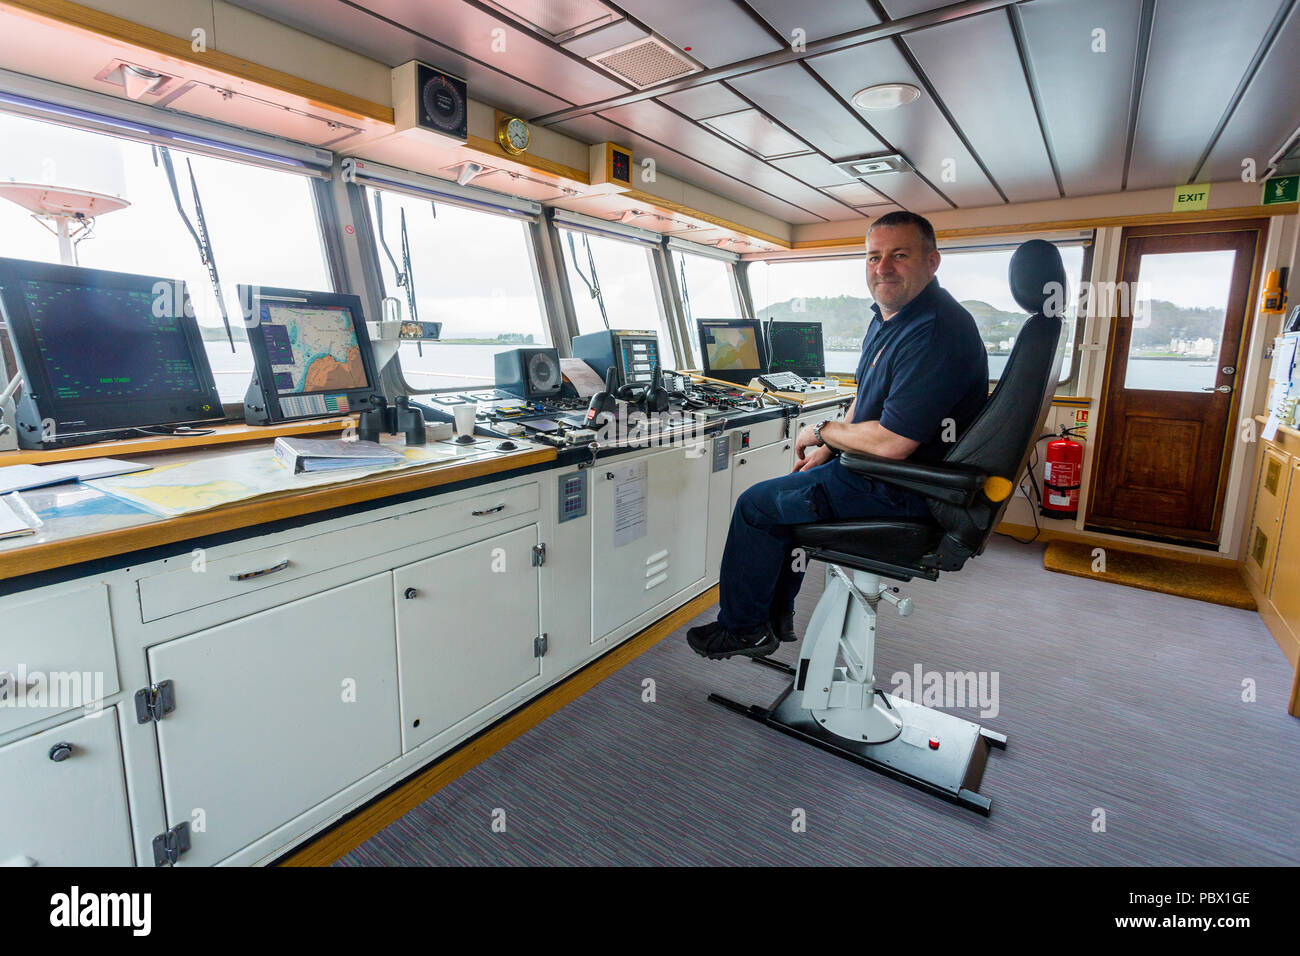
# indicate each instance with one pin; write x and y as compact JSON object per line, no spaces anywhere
{"x":1172,"y":374}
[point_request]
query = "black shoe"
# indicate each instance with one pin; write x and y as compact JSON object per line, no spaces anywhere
{"x":717,"y":643}
{"x":782,"y":626}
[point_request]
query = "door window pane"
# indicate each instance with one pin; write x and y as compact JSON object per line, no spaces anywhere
{"x":262,"y":224}
{"x":1179,"y":308}
{"x":473,"y":272}
{"x":619,"y":276}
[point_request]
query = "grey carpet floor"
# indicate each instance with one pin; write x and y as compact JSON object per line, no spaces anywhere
{"x":1124,"y":708}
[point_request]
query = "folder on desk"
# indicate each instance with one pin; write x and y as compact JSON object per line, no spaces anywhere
{"x":315,"y":454}
{"x":16,"y":519}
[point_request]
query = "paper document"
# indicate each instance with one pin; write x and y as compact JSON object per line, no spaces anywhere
{"x":630,"y":485}
{"x":1270,"y":427}
{"x":581,"y":376}
{"x":15,"y":517}
{"x":22,"y":477}
{"x":1283,"y":358}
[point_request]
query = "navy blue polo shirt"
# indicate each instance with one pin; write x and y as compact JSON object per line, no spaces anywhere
{"x":926,"y":364}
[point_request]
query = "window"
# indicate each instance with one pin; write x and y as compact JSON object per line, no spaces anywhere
{"x":977,"y":279}
{"x":262,"y":224}
{"x":612,"y":285}
{"x":834,"y":292}
{"x":708,"y":290}
{"x":830,"y":291}
{"x":472,"y":271}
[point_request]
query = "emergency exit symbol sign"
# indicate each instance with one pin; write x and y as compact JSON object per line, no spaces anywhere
{"x":1281,"y":189}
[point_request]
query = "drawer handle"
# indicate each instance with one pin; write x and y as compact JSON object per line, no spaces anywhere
{"x":249,"y":575}
{"x":60,"y":752}
{"x":488,"y":511}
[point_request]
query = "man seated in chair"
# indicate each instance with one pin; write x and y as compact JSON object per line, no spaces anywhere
{"x":922,"y":378}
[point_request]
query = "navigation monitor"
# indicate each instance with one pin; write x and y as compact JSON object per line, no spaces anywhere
{"x":102,"y":353}
{"x":733,"y":349}
{"x":797,"y":347}
{"x":634,"y":354}
{"x":311,"y":355}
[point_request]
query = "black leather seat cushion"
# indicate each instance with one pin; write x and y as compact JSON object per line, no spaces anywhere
{"x":883,"y":546}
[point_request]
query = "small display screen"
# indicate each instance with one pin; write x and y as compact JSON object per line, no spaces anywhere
{"x":312,"y":348}
{"x":732,"y":347}
{"x":797,"y":347}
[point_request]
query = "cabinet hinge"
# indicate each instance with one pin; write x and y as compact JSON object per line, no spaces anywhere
{"x":154,"y":701}
{"x":539,"y":645}
{"x":539,"y":555}
{"x":168,"y":847}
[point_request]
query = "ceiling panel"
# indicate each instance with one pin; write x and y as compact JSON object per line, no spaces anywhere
{"x":1084,"y":94}
{"x":909,"y":191}
{"x":754,"y":131}
{"x":594,"y":129}
{"x":897,"y":9}
{"x":711,"y":99}
{"x":817,"y":18}
{"x":856,"y":193}
{"x":717,"y":31}
{"x":1192,"y":71}
{"x":795,"y":98}
{"x":813,"y":169}
{"x":1267,"y":114}
{"x":346,"y":26}
{"x":653,"y":121}
{"x":996,"y":114}
{"x":919,"y":130}
{"x":608,"y":37}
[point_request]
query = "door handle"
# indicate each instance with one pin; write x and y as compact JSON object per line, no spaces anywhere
{"x":488,"y":511}
{"x":261,"y":572}
{"x":1224,"y":389}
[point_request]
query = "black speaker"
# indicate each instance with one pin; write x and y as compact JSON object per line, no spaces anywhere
{"x":529,"y":373}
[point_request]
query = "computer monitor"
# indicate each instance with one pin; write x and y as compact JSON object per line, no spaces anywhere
{"x":797,"y":347}
{"x":102,"y":353}
{"x":311,"y":355}
{"x":634,"y":354}
{"x":733,"y":349}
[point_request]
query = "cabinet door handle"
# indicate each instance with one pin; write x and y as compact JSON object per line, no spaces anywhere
{"x":488,"y":511}
{"x":60,"y":752}
{"x":249,"y":575}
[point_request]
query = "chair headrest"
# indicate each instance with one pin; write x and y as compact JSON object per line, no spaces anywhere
{"x":1037,"y":278}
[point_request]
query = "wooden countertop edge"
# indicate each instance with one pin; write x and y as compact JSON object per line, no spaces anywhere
{"x":106,"y":544}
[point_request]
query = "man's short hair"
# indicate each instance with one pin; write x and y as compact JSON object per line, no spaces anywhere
{"x":904,"y":218}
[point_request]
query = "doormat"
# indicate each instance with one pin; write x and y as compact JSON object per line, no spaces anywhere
{"x":1201,"y":582}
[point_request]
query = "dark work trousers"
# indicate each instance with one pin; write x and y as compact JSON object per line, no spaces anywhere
{"x":759,"y":573}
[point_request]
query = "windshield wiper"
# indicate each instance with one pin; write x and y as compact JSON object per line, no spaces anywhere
{"x":592,"y":284}
{"x":405,"y":276}
{"x":200,"y":234}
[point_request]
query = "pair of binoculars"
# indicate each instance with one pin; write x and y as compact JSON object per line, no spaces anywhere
{"x":385,"y":419}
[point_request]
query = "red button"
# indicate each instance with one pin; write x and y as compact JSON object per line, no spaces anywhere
{"x":934,"y":743}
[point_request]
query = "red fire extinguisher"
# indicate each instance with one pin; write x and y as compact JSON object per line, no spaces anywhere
{"x":1061,"y":476}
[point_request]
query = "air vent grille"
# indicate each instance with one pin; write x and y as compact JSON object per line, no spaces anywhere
{"x":645,"y":63}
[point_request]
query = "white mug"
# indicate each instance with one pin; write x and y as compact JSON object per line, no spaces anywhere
{"x":465,"y":415}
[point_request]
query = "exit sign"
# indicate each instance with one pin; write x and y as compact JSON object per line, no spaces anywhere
{"x":1281,"y":189}
{"x":1187,"y":198}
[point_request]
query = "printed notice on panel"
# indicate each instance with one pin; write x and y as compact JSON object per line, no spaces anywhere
{"x":630,"y":483}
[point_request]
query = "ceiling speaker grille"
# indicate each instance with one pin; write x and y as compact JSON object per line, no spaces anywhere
{"x":558,"y":19}
{"x":646,"y":62}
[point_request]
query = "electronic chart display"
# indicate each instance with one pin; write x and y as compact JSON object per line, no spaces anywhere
{"x":732,"y":349}
{"x":311,"y":354}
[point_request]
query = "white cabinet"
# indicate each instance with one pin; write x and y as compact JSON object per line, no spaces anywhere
{"x":467,"y":622}
{"x":751,"y":466}
{"x":275,"y":712}
{"x":63,"y":796}
{"x":651,"y":542}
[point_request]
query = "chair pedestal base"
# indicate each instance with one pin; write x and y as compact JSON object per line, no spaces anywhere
{"x":953,"y":771}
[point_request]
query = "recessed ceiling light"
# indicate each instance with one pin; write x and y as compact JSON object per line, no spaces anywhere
{"x":886,"y":96}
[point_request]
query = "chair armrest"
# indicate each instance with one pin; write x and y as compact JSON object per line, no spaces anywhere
{"x":941,"y":482}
